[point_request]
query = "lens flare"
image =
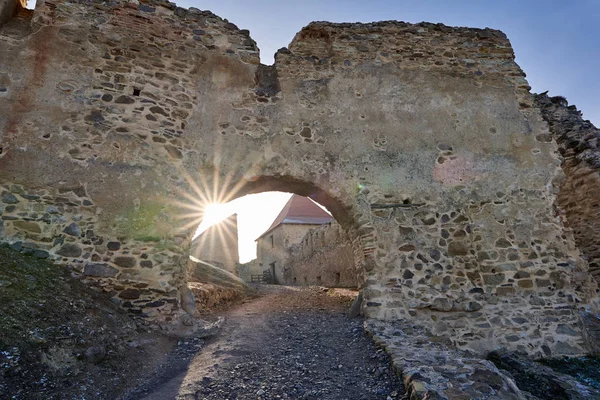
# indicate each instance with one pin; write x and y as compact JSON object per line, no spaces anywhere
{"x":213,"y":214}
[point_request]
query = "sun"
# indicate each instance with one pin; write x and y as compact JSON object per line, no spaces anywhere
{"x":213,"y":209}
{"x":213,"y":213}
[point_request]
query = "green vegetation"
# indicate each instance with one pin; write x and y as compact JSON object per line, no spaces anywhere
{"x":48,"y":322}
{"x":147,"y":238}
{"x":25,"y":287}
{"x":148,"y":222}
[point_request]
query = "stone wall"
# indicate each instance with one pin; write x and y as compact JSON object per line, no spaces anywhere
{"x":273,"y":248}
{"x":246,"y":270}
{"x":270,"y":249}
{"x":323,"y":257}
{"x":62,"y":223}
{"x":579,"y":195}
{"x":421,"y":139}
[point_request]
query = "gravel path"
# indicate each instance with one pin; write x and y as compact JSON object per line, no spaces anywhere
{"x":290,"y":343}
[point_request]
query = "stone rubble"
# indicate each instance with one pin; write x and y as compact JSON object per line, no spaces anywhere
{"x":292,"y":343}
{"x":541,"y":381}
{"x":432,"y":369}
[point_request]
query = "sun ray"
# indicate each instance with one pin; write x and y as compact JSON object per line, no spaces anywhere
{"x":185,"y":205}
{"x":189,"y":225}
{"x":200,"y":196}
{"x":196,"y":215}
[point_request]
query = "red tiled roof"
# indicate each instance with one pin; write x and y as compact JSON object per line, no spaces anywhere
{"x":300,"y":210}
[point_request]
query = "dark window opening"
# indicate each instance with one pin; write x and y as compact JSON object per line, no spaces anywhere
{"x":136,"y":91}
{"x":273,"y":277}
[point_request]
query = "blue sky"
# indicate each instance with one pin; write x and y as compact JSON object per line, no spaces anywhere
{"x":557,"y":43}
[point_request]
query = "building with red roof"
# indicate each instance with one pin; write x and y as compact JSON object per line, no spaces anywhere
{"x":298,"y":216}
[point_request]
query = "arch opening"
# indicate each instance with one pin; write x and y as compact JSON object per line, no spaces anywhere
{"x":297,"y":235}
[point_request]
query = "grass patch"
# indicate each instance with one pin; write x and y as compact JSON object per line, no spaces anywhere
{"x":25,"y":285}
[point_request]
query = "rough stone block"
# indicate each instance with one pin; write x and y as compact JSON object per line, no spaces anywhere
{"x":100,"y":270}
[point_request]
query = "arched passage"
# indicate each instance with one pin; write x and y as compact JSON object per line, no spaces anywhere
{"x":341,"y":213}
{"x":209,"y":189}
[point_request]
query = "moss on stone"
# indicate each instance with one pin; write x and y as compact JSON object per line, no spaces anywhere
{"x":148,"y":222}
{"x":147,"y":238}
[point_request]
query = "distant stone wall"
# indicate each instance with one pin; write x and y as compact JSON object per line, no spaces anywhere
{"x":218,"y":245}
{"x":246,"y":270}
{"x":270,"y":249}
{"x":276,"y":251}
{"x":323,"y":257}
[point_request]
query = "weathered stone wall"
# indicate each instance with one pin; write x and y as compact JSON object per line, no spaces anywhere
{"x":270,"y":249}
{"x":323,"y":257}
{"x":121,"y":96}
{"x":579,"y":195}
{"x":246,"y":270}
{"x":275,"y":250}
{"x":218,"y":245}
{"x":422,"y":140}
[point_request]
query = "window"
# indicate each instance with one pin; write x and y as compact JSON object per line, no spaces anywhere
{"x":272,"y":242}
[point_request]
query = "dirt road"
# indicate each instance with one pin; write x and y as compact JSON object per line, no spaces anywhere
{"x":290,"y":343}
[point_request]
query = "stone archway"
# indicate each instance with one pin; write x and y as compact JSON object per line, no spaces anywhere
{"x":343,"y":213}
{"x":437,"y":155}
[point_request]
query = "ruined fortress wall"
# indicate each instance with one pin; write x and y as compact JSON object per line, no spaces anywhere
{"x":324,"y":257}
{"x":472,"y":241}
{"x":92,"y":129}
{"x":579,"y":192}
{"x":275,"y":250}
{"x":423,"y":141}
